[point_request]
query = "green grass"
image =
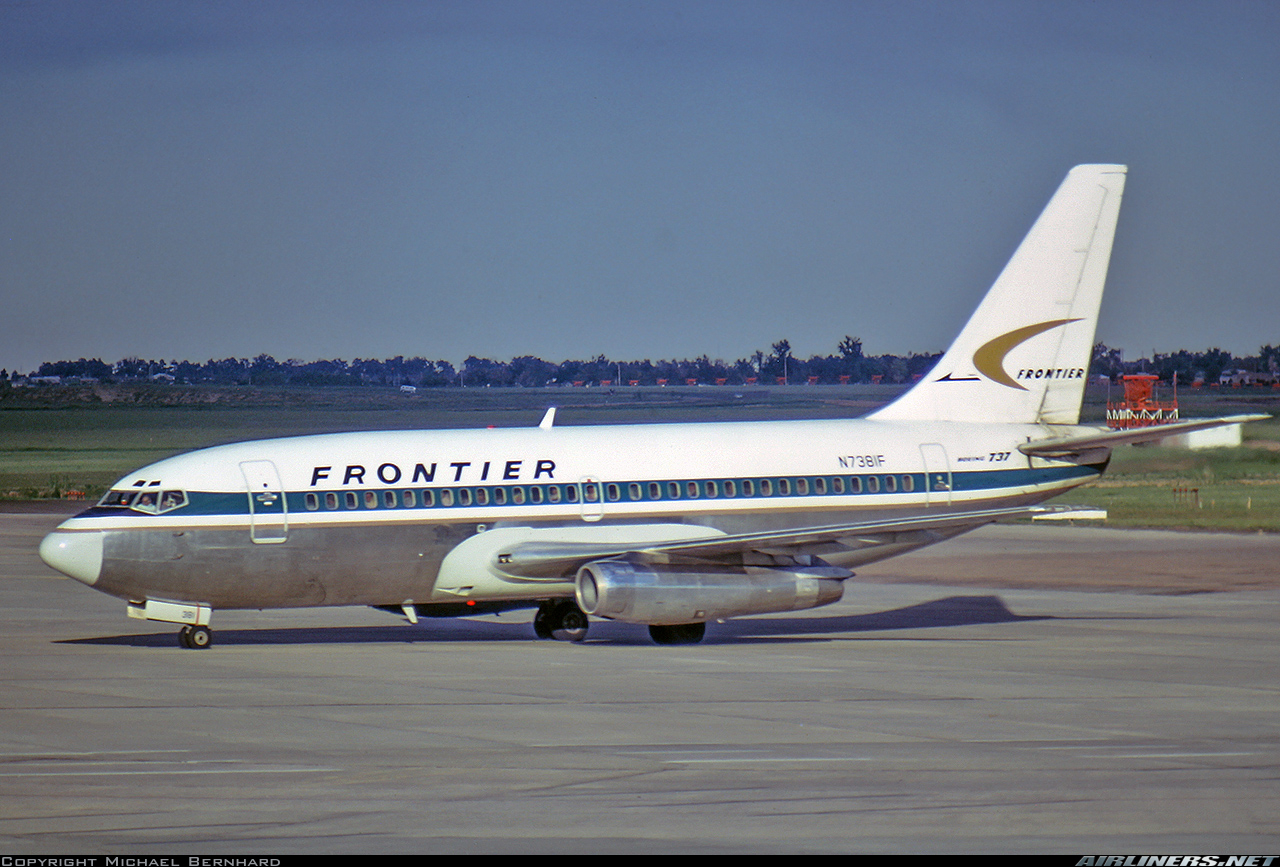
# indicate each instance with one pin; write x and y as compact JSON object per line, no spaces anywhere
{"x":87,"y":446}
{"x":1219,"y":489}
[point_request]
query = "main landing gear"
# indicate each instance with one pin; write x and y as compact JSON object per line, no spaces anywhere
{"x":195,"y":637}
{"x":560,"y":619}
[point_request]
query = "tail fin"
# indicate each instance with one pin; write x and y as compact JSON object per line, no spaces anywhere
{"x":1025,"y":352}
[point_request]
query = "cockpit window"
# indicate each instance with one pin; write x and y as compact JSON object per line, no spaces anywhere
{"x":118,"y":499}
{"x":151,"y":502}
{"x":146,"y":501}
{"x":171,"y":500}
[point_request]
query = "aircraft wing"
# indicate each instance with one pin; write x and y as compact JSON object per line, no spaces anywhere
{"x":1106,"y":439}
{"x":543,"y":560}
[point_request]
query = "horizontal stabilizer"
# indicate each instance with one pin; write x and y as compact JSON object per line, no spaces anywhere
{"x":1106,"y":439}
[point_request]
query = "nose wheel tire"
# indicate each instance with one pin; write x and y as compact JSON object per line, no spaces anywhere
{"x":195,"y":637}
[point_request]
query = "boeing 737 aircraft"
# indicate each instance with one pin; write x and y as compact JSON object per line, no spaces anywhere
{"x":667,"y":525}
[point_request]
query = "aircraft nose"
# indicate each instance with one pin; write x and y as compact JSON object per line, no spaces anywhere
{"x":78,"y":555}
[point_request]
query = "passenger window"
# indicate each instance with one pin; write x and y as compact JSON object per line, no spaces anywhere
{"x":890,"y":484}
{"x":837,"y":485}
{"x":570,"y":493}
{"x":819,"y":486}
{"x":655,"y":491}
{"x":712,"y":489}
{"x":535,"y":495}
{"x":613,"y":492}
{"x":389,"y":499}
{"x":673,"y":490}
{"x":446,"y":497}
{"x":482,"y":496}
{"x":408,"y":500}
{"x":692,"y":489}
{"x":873,"y":484}
{"x":370,"y":500}
{"x":517,"y":496}
{"x":634,"y":490}
{"x":330,"y":500}
{"x":855,"y":485}
{"x":802,"y":486}
{"x":908,"y":483}
{"x":553,"y":493}
{"x":766,"y":488}
{"x":730,"y":489}
{"x":464,"y":496}
{"x":428,"y":498}
{"x":748,"y":488}
{"x":499,"y":496}
{"x":312,"y":501}
{"x":590,"y":492}
{"x":352,"y":501}
{"x":784,"y":487}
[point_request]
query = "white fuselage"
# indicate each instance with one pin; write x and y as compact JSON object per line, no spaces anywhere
{"x":383,"y":518}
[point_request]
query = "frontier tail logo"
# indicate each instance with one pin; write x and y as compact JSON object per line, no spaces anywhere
{"x":989,"y":359}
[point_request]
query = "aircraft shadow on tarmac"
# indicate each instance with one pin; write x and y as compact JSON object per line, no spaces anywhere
{"x":950,"y":611}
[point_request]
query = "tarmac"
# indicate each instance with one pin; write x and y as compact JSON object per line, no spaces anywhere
{"x":1021,"y":689}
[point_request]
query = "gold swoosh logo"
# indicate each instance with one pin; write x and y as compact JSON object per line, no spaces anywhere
{"x":989,"y":359}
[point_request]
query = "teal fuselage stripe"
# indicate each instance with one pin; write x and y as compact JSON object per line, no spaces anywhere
{"x":207,"y":503}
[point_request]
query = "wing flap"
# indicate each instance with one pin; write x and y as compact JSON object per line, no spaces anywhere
{"x":545,"y":560}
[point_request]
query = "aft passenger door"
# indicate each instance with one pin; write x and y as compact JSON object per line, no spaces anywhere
{"x":937,"y":474}
{"x":268,"y":514}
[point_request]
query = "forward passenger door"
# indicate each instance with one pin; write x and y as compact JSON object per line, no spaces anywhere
{"x":268,"y":512}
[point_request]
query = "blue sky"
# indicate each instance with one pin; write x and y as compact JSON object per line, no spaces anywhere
{"x":644,"y":180}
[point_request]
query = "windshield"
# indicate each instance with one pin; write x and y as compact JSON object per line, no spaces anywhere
{"x":150,"y":501}
{"x":119,"y":499}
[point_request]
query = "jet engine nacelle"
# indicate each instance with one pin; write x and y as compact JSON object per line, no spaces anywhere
{"x":661,"y":594}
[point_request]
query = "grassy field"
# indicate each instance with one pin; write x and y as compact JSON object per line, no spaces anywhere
{"x":51,"y":447}
{"x":76,"y":444}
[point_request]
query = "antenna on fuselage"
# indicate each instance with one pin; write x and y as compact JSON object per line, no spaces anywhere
{"x":549,"y":419}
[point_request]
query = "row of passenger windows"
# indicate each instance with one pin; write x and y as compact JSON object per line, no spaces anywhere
{"x":613,"y":492}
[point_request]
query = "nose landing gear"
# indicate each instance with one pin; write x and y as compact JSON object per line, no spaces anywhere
{"x":195,"y":637}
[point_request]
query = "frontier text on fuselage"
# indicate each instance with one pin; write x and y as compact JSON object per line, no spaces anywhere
{"x":391,"y":474}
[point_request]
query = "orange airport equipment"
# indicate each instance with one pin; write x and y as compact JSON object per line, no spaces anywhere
{"x":1139,"y":408}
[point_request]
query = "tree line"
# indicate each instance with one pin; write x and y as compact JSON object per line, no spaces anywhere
{"x":847,"y":364}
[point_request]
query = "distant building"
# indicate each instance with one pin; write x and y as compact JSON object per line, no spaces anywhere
{"x":1237,"y":378}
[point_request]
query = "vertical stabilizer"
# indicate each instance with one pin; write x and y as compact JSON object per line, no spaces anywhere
{"x":1024,"y":354}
